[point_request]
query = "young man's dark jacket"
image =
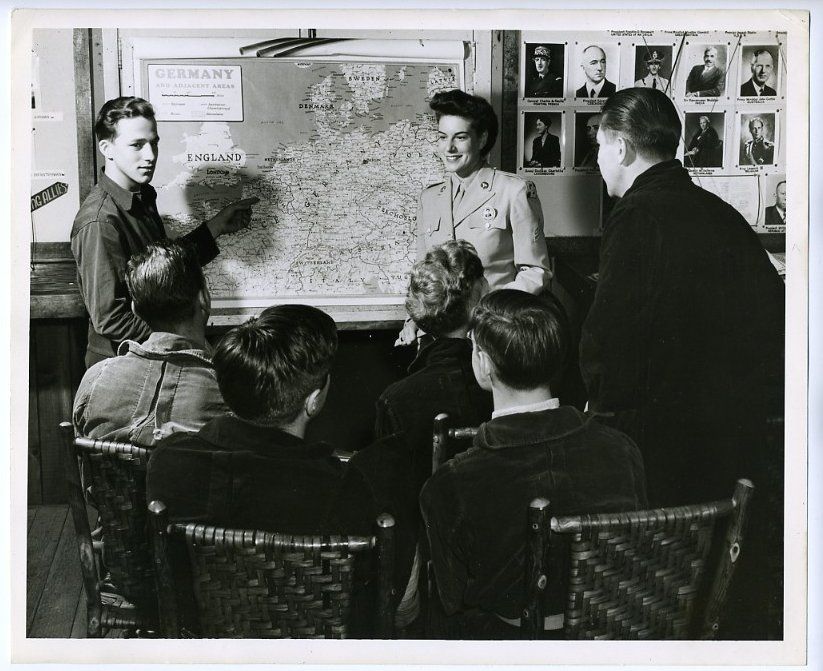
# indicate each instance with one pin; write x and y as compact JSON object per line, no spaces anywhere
{"x":112,"y":225}
{"x":440,"y":380}
{"x":476,"y":505}
{"x":233,"y":473}
{"x":684,"y":341}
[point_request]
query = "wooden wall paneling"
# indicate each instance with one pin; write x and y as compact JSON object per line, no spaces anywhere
{"x":84,"y":86}
{"x":35,"y":491}
{"x":510,"y":74}
{"x":53,"y":345}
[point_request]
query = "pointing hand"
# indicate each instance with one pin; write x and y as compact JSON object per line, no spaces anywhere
{"x":232,"y":218}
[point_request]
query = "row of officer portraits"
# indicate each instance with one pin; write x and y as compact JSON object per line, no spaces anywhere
{"x":704,"y":140}
{"x":592,"y":70}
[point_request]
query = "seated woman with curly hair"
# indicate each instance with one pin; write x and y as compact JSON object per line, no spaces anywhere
{"x":443,"y":289}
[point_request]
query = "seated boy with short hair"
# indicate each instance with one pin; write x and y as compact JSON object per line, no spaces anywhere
{"x":254,"y":468}
{"x":475,"y":506}
{"x":167,"y":383}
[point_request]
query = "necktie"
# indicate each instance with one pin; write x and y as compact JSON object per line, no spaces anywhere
{"x":458,"y":196}
{"x":591,"y":93}
{"x":654,"y":83}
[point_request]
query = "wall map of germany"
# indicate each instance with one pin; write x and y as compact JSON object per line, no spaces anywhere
{"x":337,"y":154}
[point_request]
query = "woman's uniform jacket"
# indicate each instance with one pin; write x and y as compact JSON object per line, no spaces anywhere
{"x":500,"y":214}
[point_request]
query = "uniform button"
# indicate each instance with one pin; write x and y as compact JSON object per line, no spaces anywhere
{"x":488,"y":226}
{"x":429,"y":231}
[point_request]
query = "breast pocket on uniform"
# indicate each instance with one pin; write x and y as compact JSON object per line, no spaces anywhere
{"x":489,"y":218}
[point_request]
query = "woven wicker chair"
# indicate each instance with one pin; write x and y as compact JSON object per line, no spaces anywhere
{"x":652,"y":574}
{"x":117,"y":475}
{"x":259,"y":584}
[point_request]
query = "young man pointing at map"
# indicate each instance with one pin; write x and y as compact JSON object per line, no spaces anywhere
{"x":119,"y":218}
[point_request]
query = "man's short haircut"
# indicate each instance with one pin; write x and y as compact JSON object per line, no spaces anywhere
{"x":756,"y":119}
{"x":703,"y":116}
{"x":477,"y":110}
{"x":646,"y":118}
{"x":759,"y":52}
{"x":125,"y":107}
{"x":782,"y":181}
{"x":708,"y":49}
{"x":441,"y":286}
{"x":267,"y":367}
{"x":164,"y":281}
{"x":525,"y":336}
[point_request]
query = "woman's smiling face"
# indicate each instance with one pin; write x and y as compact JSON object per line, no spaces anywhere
{"x":459,"y":145}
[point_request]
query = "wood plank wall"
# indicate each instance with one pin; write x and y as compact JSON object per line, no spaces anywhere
{"x":56,"y":350}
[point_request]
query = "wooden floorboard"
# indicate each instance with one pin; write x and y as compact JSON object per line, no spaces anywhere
{"x":56,"y":611}
{"x":78,"y":627}
{"x":55,"y":598}
{"x":43,"y":539}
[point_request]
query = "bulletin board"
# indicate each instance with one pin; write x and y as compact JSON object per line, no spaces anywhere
{"x":734,"y":132}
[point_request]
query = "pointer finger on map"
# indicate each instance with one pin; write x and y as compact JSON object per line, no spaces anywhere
{"x":233,"y":217}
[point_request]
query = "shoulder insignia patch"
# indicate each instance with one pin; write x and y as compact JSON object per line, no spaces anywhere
{"x":531,"y":189}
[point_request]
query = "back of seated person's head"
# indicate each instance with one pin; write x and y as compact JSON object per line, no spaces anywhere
{"x":646,"y":118}
{"x":270,"y":366}
{"x":167,"y":285}
{"x":444,"y":287}
{"x":524,"y":336}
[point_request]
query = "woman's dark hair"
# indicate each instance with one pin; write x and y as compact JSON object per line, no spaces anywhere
{"x":525,"y":336}
{"x":267,"y":367}
{"x":441,"y":286}
{"x":164,"y":281}
{"x":125,"y":107}
{"x":647,"y":118}
{"x":474,"y":108}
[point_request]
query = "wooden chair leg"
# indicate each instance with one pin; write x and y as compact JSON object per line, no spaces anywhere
{"x":385,"y":591}
{"x":77,"y":505}
{"x":531,"y":621}
{"x":166,"y":599}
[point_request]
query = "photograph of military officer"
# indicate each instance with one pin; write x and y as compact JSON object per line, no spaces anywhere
{"x":758,"y":71}
{"x":704,"y":140}
{"x":653,"y":66}
{"x":586,"y":125}
{"x":595,"y":62}
{"x":544,"y":70}
{"x":707,"y":77}
{"x":541,"y":144}
{"x":757,"y":139}
{"x":775,"y":215}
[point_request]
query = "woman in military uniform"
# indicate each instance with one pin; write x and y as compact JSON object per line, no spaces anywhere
{"x":499,"y":213}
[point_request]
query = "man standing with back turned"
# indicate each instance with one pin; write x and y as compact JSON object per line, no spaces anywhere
{"x":683,"y":345}
{"x":119,"y":218}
